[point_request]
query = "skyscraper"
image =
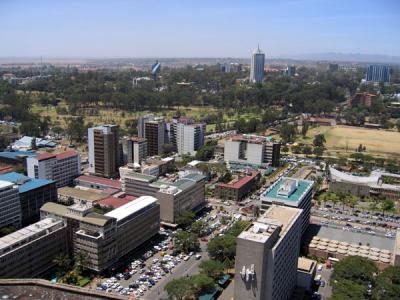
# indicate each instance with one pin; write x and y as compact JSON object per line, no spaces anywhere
{"x":155,"y":133}
{"x":104,"y":150}
{"x":267,"y":254}
{"x":186,"y":136}
{"x":257,"y":66}
{"x":378,"y":73}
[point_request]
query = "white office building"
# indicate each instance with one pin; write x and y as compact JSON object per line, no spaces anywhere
{"x":257,"y":66}
{"x":61,"y":167}
{"x":189,"y":137}
{"x":10,"y":207}
{"x":267,"y":255}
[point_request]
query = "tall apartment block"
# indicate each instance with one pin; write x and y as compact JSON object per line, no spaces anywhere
{"x":378,"y":73}
{"x":62,"y":167}
{"x":290,"y":192}
{"x":257,"y":66}
{"x":187,"y":136}
{"x":252,"y":150}
{"x":185,"y":194}
{"x":267,"y":255}
{"x":104,"y":239}
{"x":156,"y":136}
{"x":104,"y":150}
{"x":30,"y":251}
{"x":10,"y":207}
{"x":135,"y":150}
{"x":33,"y":193}
{"x":141,"y":128}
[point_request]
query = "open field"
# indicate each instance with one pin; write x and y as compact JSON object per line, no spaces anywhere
{"x":345,"y":139}
{"x":120,"y":117}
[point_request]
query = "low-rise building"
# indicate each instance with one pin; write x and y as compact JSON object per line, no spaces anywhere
{"x":61,"y":167}
{"x":33,"y":193}
{"x":98,"y":183}
{"x":306,"y":269}
{"x":30,"y":251}
{"x":69,"y":195}
{"x":104,"y":239}
{"x":267,"y":256}
{"x":237,"y":189}
{"x":176,"y":197}
{"x":290,"y":192}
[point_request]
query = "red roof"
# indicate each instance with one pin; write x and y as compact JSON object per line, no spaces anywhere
{"x":44,"y":156}
{"x":6,"y":169}
{"x":116,"y":202}
{"x":99,"y":180}
{"x":66,"y":154}
{"x":241,"y":182}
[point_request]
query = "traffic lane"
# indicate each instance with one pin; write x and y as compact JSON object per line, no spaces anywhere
{"x":187,"y":268}
{"x":326,"y":291}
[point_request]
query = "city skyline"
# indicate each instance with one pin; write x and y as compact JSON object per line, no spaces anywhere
{"x":137,"y":29}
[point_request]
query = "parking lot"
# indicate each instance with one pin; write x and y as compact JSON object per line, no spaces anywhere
{"x":145,"y":276}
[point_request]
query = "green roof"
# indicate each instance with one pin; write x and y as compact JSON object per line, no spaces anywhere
{"x":183,"y":184}
{"x":194,"y":176}
{"x":294,"y":198}
{"x":141,"y":177}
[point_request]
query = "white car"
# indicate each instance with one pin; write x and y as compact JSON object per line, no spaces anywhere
{"x":186,"y":258}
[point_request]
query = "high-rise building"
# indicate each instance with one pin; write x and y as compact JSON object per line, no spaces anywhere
{"x":141,"y":125}
{"x":104,"y":150}
{"x":61,"y":167}
{"x":10,"y":207}
{"x":290,"y":70}
{"x":267,"y":255}
{"x":378,"y":73}
{"x":186,"y":136}
{"x":290,"y":192}
{"x":155,"y":132}
{"x":135,"y":150}
{"x":257,"y":66}
{"x":252,"y":150}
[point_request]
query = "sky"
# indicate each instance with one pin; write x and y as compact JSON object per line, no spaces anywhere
{"x":197,"y":28}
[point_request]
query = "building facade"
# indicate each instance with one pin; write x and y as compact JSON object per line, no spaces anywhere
{"x":257,"y":66}
{"x":253,"y":150}
{"x":237,"y":190}
{"x":61,"y":167}
{"x":31,"y":251}
{"x":10,"y":207}
{"x":290,"y":192}
{"x":378,"y":73}
{"x":155,"y":133}
{"x":186,"y":136}
{"x":267,"y":256}
{"x":104,"y":150}
{"x":33,"y":193}
{"x":136,"y":150}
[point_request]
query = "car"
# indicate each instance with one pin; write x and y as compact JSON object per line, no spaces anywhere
{"x":322,"y":283}
{"x":198,"y":256}
{"x":186,"y":258}
{"x":319,"y":268}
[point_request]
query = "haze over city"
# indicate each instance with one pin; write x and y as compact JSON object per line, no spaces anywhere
{"x":288,"y":28}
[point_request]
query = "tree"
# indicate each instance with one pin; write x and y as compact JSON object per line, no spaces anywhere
{"x":285,"y":149}
{"x":387,"y":205}
{"x":318,"y":151}
{"x":167,"y":149}
{"x":288,"y":132}
{"x":222,"y":247}
{"x":185,"y":219}
{"x":33,"y":143}
{"x":212,"y":268}
{"x":304,"y":129}
{"x":354,"y":268}
{"x":387,"y":284}
{"x":4,"y":142}
{"x":319,"y":140}
{"x":179,"y":288}
{"x":186,"y":242}
{"x":198,"y":227}
{"x":63,"y":263}
{"x":226,"y":177}
{"x":202,"y":284}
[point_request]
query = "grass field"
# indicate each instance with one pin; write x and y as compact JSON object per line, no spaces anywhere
{"x":345,"y":139}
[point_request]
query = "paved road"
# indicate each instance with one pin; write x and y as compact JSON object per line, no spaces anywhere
{"x":186,"y":268}
{"x":326,"y":291}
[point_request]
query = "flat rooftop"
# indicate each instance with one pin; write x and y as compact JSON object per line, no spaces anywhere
{"x":29,"y":233}
{"x":141,"y":177}
{"x":306,"y":265}
{"x":116,"y":201}
{"x":88,"y":195}
{"x":273,"y":193}
{"x":275,"y":218}
{"x":124,"y":211}
{"x":116,"y":184}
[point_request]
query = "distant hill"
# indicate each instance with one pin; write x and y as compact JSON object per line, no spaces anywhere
{"x":348,"y":57}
